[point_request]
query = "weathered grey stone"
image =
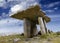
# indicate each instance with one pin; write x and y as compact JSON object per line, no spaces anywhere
{"x":49,"y":39}
{"x":27,"y":28}
{"x":30,"y":28}
{"x":42,"y":25}
{"x":27,"y":39}
{"x":16,"y":40}
{"x":34,"y":31}
{"x":45,"y":26}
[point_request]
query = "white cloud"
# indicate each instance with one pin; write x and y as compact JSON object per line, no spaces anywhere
{"x":53,"y":26}
{"x":17,"y":8}
{"x":16,"y":0}
{"x":55,"y":8}
{"x":2,"y":3}
{"x":54,"y":16}
{"x":11,"y":25}
{"x":10,"y":0}
{"x":52,"y":4}
{"x":11,"y":3}
{"x":9,"y":21}
{"x":23,"y":6}
{"x":49,"y":11}
{"x":4,"y":15}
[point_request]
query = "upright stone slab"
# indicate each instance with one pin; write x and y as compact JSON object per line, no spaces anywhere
{"x":42,"y":25}
{"x":27,"y":28}
{"x":35,"y":32}
{"x":33,"y":29}
{"x":45,"y":26}
{"x":30,"y":28}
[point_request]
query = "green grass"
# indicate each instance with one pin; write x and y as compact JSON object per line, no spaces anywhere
{"x":54,"y":36}
{"x":10,"y":37}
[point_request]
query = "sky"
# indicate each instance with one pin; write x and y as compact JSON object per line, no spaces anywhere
{"x":11,"y":25}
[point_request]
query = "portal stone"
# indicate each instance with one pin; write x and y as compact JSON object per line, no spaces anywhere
{"x":27,"y":28}
{"x":42,"y":25}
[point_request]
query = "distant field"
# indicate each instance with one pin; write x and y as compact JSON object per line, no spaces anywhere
{"x":51,"y":38}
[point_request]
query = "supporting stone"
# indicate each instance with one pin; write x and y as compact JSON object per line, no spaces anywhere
{"x":34,"y":31}
{"x":30,"y":28}
{"x":45,"y":26}
{"x":42,"y":25}
{"x":27,"y":28}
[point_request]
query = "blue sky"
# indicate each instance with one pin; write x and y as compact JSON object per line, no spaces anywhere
{"x":10,"y":25}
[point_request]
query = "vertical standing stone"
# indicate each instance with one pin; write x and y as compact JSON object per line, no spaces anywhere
{"x":42,"y":26}
{"x":45,"y":26}
{"x":34,"y":31}
{"x":27,"y":28}
{"x":30,"y":28}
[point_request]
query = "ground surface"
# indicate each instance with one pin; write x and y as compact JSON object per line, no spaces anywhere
{"x":36,"y":39}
